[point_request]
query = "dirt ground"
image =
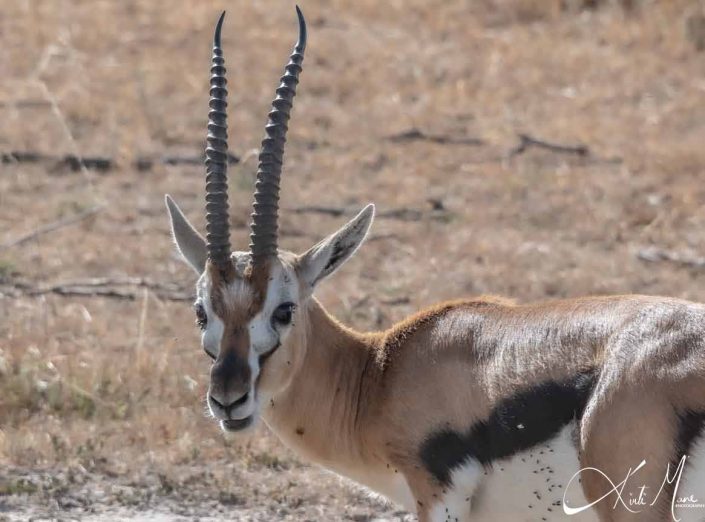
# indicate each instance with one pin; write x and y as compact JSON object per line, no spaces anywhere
{"x":417,"y":105}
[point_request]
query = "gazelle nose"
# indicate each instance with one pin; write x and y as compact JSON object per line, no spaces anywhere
{"x":231,"y":379}
{"x":227,"y":403}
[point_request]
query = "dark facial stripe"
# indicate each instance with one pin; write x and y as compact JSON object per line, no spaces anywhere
{"x":266,"y":355}
{"x":516,"y":424}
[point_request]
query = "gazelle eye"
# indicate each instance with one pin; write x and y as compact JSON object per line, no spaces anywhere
{"x":283,"y":314}
{"x":201,"y":317}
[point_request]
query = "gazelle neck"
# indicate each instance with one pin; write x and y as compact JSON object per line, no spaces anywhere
{"x":321,"y":414}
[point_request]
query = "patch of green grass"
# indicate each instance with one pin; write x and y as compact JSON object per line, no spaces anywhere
{"x":7,"y":269}
{"x":167,"y":485}
{"x":230,"y":499}
{"x":268,"y":460}
{"x":71,"y":207}
{"x":27,"y":389}
{"x":20,"y":486}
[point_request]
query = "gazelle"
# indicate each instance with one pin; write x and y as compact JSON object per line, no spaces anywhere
{"x":472,"y":410}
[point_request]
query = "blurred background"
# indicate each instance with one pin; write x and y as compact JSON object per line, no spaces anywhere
{"x":536,"y":149}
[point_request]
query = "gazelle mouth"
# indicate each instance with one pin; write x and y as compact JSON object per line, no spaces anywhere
{"x":237,"y":424}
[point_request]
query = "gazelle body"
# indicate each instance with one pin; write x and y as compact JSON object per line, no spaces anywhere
{"x":476,"y":410}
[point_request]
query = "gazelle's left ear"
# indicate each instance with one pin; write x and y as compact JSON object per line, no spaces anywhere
{"x":190,"y":243}
{"x":327,"y":256}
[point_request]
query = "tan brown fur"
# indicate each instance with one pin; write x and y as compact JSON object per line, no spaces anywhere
{"x":255,"y":280}
{"x":398,"y":334}
{"x":363,"y":403}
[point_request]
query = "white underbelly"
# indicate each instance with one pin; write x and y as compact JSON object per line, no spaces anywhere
{"x":528,"y":486}
{"x":690,"y":496}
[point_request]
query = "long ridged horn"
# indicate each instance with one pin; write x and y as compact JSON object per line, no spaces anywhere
{"x":264,"y":227}
{"x":217,"y":222}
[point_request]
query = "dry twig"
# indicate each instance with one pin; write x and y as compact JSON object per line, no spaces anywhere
{"x":655,"y":254}
{"x":314,"y":209}
{"x":415,"y":134}
{"x":397,"y":301}
{"x":77,"y":163}
{"x":127,"y":288}
{"x":526,"y":141}
{"x":401,"y":213}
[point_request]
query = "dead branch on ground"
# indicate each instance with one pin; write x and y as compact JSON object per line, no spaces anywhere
{"x":655,"y":254}
{"x":76,"y":163}
{"x":526,"y":142}
{"x":396,"y":301}
{"x":115,"y":288}
{"x":401,"y":213}
{"x":315,"y":209}
{"x":415,"y":134}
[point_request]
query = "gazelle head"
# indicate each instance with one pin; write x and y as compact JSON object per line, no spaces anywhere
{"x":250,"y":305}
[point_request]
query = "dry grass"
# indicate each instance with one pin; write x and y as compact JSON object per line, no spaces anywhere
{"x":115,"y":388}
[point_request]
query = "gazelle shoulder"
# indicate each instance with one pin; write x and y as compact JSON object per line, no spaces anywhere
{"x":442,"y":315}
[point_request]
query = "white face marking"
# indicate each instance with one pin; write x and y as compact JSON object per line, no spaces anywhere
{"x":265,"y":334}
{"x":282,"y":288}
{"x":512,"y":491}
{"x":213,"y":333}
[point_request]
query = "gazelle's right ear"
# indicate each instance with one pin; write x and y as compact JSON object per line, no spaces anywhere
{"x":190,"y":243}
{"x":326,"y":257}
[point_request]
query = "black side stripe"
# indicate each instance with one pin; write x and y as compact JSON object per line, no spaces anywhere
{"x":691,"y":426}
{"x":516,"y":424}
